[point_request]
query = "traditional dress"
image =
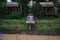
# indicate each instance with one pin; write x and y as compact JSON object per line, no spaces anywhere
{"x":30,"y":19}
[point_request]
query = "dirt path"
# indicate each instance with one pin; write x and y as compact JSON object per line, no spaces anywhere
{"x":29,"y":37}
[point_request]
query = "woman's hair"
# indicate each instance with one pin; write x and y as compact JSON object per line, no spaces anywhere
{"x":30,"y":14}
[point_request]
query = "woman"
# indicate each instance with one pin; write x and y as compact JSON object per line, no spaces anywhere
{"x":30,"y":18}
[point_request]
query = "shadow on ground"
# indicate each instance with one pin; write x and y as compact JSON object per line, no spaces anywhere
{"x":33,"y":32}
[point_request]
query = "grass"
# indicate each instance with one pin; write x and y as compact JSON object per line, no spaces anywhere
{"x":13,"y":23}
{"x":41,"y":24}
{"x":48,"y":24}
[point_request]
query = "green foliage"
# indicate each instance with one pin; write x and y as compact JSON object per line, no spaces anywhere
{"x":14,"y":15}
{"x":47,"y":24}
{"x":37,"y":10}
{"x":4,"y":28}
{"x":41,"y":24}
{"x":2,"y":0}
{"x":2,"y":9}
{"x":12,"y":23}
{"x":23,"y":1}
{"x":24,"y":4}
{"x":40,"y":1}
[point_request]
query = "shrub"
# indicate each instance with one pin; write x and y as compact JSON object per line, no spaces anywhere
{"x":14,"y":15}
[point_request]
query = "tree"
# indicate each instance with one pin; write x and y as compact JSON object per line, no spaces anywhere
{"x":2,"y":0}
{"x":24,"y":5}
{"x":2,"y":9}
{"x":37,"y":10}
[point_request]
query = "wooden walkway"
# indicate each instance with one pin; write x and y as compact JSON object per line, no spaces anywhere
{"x":29,"y":37}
